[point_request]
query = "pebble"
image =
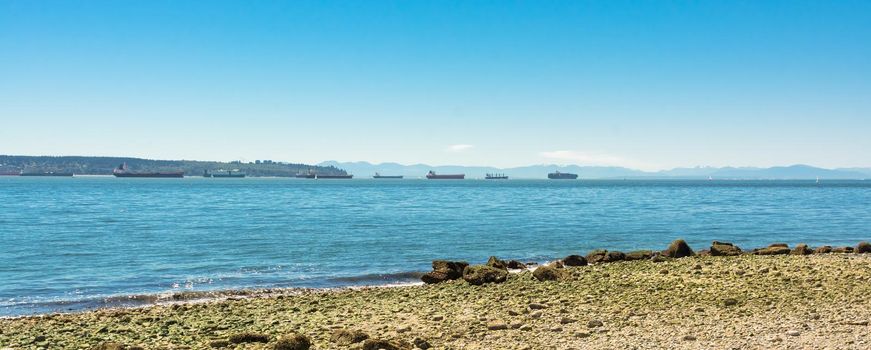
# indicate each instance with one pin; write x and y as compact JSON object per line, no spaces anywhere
{"x":535,"y":314}
{"x":535,"y":306}
{"x":793,"y":333}
{"x":689,"y":338}
{"x":594,"y":323}
{"x":403,"y":328}
{"x":495,"y":326}
{"x":730,"y":302}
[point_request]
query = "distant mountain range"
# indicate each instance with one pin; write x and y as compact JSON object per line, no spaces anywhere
{"x":365,"y":170}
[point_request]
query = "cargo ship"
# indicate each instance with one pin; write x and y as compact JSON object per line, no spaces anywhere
{"x":561,"y":176}
{"x":122,"y":171}
{"x":379,"y":176}
{"x":228,"y":173}
{"x":496,"y":177}
{"x":433,"y":176}
{"x":46,"y":173}
{"x":314,"y":175}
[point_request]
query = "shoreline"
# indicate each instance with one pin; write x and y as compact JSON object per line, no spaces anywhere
{"x":766,"y":299}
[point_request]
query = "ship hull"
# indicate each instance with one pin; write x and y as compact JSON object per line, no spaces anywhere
{"x":446,"y":177}
{"x":315,"y":176}
{"x":150,"y":175}
{"x":562,"y":176}
{"x":387,"y":177}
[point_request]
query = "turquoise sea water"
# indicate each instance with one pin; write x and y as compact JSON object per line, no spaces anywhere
{"x":76,"y":243}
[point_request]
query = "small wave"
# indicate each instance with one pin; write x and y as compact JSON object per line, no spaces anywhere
{"x":380,"y":278}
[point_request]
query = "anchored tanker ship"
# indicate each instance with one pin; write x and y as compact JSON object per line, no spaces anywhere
{"x":433,"y":176}
{"x":562,"y":176}
{"x":122,"y":171}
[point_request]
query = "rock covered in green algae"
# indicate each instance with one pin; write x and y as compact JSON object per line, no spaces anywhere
{"x":480,"y":274}
{"x":548,"y":273}
{"x":294,"y":341}
{"x":863,"y":248}
{"x":348,"y":337}
{"x":497,"y":263}
{"x":444,"y":270}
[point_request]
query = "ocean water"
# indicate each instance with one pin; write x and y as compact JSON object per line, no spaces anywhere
{"x":70,"y":244}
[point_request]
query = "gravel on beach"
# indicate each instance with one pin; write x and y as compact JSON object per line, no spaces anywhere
{"x":820,"y":301}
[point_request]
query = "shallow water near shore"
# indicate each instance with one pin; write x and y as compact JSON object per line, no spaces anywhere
{"x":69,"y":244}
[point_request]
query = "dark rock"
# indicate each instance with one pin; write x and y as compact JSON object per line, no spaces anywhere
{"x":730,"y":302}
{"x":801,"y":249}
{"x":443,"y":270}
{"x":548,"y":273}
{"x":823,"y":250}
{"x":480,"y":274}
{"x":594,"y":324}
{"x":516,"y":265}
{"x":348,"y":337}
{"x":678,"y":249}
{"x":724,"y":249}
{"x":248,"y":337}
{"x":433,"y":277}
{"x":781,"y":245}
{"x":497,"y":263}
{"x":639,"y":255}
{"x":575,"y":260}
{"x":615,"y":256}
{"x":109,"y":346}
{"x":378,"y":344}
{"x":421,"y":343}
{"x":863,"y":248}
{"x":293,"y":342}
{"x":842,"y":250}
{"x":703,"y":252}
{"x":658,"y":257}
{"x":597,"y":256}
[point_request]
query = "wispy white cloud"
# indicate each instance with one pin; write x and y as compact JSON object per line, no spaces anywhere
{"x":459,"y":148}
{"x":594,"y":158}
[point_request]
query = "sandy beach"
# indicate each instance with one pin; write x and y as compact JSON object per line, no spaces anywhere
{"x":820,"y":301}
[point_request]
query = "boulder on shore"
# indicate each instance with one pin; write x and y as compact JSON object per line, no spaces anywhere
{"x":516,"y":265}
{"x":443,"y":270}
{"x":842,"y":250}
{"x":497,"y":263}
{"x":863,"y":248}
{"x":293,"y":342}
{"x":823,"y":250}
{"x":801,"y":249}
{"x":480,"y":274}
{"x":639,"y":255}
{"x":724,"y":249}
{"x":603,"y":256}
{"x":678,"y":249}
{"x":574,"y":260}
{"x":348,"y":337}
{"x":774,"y":249}
{"x":548,"y":273}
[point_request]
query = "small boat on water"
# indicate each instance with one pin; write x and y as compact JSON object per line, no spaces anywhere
{"x":224,"y":174}
{"x":123,"y":171}
{"x":379,"y":176}
{"x":433,"y":176}
{"x":561,"y":176}
{"x":496,"y":176}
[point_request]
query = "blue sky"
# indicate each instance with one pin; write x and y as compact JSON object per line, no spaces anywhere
{"x":643,"y":84}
